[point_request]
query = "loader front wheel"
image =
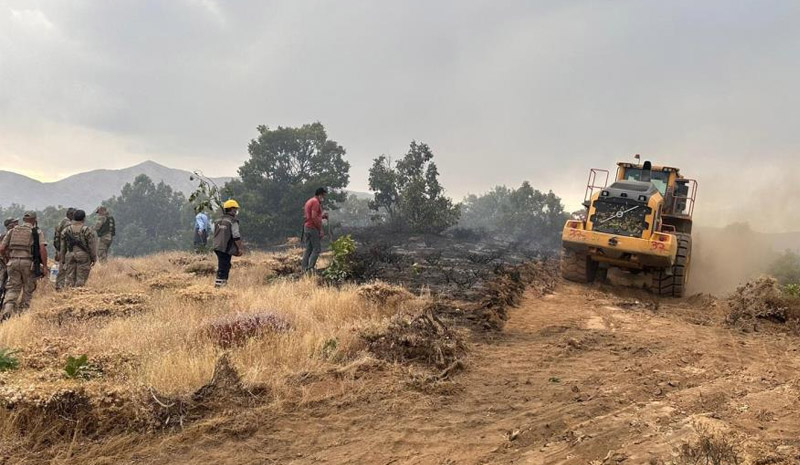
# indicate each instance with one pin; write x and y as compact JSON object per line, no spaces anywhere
{"x":672,"y":282}
{"x":577,"y":266}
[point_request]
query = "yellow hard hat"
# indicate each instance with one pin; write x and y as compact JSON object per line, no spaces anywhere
{"x":230,"y":204}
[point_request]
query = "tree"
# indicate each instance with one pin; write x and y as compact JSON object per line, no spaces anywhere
{"x":486,"y":212}
{"x":786,"y":268}
{"x":383,"y":181}
{"x":524,"y":213}
{"x":410,"y":193}
{"x":150,"y":218}
{"x":354,"y":212}
{"x":286,"y":166}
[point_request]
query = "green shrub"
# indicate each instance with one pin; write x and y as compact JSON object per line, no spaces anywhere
{"x":8,"y":360}
{"x":792,"y":290}
{"x":341,"y":267}
{"x":77,"y":367}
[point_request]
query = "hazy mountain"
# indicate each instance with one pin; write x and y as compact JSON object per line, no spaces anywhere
{"x":87,"y":190}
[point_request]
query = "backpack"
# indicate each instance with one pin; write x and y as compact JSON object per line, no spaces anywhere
{"x":109,"y":226}
{"x":223,"y":235}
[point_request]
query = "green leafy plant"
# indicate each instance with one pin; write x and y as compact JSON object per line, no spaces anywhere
{"x":341,"y":267}
{"x":77,"y":367}
{"x":208,"y":196}
{"x":792,"y":290}
{"x":8,"y":360}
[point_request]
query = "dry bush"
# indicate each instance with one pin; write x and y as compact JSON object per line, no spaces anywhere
{"x":204,"y":293}
{"x":423,"y":339}
{"x":84,"y":304}
{"x":286,"y":264}
{"x":230,"y":330}
{"x":204,"y":268}
{"x":167,"y":281}
{"x":710,"y":449}
{"x":383,"y":293}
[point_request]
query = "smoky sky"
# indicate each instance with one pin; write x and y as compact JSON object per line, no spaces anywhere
{"x":503,"y":91}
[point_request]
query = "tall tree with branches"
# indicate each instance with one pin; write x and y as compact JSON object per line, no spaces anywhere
{"x":286,"y":166}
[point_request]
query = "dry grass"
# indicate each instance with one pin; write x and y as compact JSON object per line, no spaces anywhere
{"x":164,"y":343}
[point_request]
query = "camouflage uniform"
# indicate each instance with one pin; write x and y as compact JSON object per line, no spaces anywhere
{"x":18,"y":245}
{"x":80,"y":249}
{"x":3,"y":275}
{"x":61,"y":254}
{"x":106,"y":230}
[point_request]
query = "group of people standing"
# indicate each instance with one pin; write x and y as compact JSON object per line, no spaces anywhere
{"x":79,"y":247}
{"x":23,"y":247}
{"x":227,"y":238}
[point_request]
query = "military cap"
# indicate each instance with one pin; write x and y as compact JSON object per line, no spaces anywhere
{"x":29,"y":215}
{"x":8,"y":222}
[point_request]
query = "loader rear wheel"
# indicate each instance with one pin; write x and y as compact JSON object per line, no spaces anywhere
{"x":673,"y":283}
{"x":577,"y":266}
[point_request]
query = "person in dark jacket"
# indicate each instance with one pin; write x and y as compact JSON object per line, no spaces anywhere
{"x":227,"y":241}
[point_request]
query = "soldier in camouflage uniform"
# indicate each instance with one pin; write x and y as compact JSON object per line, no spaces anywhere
{"x":9,"y":224}
{"x":106,"y":230}
{"x":79,"y":243}
{"x":17,"y":247}
{"x":60,"y":254}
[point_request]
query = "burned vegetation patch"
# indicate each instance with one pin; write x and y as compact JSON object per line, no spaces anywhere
{"x":472,"y":284}
{"x":444,"y":266}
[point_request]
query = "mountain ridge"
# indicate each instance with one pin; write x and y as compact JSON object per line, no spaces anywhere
{"x":88,"y":189}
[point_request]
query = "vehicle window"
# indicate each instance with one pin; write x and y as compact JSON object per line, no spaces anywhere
{"x":660,"y":179}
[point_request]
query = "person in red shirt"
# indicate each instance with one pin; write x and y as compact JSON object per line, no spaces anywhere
{"x":312,"y":229}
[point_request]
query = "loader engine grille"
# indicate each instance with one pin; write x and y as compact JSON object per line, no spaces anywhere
{"x":624,"y":217}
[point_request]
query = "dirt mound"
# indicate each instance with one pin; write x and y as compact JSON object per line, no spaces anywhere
{"x":84,"y":304}
{"x":57,"y":411}
{"x":761,"y":299}
{"x":224,"y":391}
{"x":507,"y":288}
{"x":382,"y":293}
{"x":97,"y":408}
{"x":422,"y":339}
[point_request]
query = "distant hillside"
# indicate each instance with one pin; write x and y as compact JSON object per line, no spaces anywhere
{"x":87,"y":190}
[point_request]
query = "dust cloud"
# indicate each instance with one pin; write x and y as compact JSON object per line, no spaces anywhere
{"x":723,"y":258}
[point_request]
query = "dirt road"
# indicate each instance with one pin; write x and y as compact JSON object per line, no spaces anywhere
{"x":583,"y":376}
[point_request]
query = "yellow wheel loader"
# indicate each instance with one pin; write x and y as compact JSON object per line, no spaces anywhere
{"x":641,"y":223}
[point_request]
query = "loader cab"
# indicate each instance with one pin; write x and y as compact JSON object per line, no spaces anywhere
{"x":661,"y":177}
{"x":678,"y":191}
